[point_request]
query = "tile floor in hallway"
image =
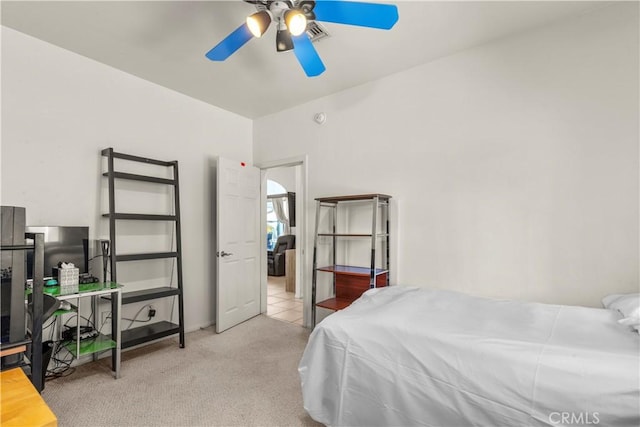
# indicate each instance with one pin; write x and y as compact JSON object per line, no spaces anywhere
{"x":282,"y":305}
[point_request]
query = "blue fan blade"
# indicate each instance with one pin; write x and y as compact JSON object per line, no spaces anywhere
{"x":373,"y":15}
{"x":307,"y":55}
{"x":230,"y":44}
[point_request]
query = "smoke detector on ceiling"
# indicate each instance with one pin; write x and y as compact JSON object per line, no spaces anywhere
{"x":320,"y":118}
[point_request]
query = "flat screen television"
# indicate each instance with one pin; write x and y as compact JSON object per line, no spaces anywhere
{"x":61,"y":244}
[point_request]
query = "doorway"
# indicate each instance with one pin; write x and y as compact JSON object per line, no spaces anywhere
{"x":283,"y":185}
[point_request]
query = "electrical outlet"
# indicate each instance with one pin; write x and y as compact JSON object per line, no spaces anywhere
{"x":105,"y":316}
{"x":152,"y":312}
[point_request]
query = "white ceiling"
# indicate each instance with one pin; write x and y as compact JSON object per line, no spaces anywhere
{"x":165,"y":42}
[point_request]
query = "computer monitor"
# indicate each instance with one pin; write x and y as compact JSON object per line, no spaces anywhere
{"x":61,"y":244}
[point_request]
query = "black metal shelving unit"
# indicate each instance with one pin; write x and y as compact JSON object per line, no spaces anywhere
{"x":140,"y":335}
{"x":32,"y":341}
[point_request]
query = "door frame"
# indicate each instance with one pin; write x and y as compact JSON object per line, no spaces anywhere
{"x":301,"y":227}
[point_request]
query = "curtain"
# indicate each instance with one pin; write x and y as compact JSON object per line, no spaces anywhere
{"x":282,"y":212}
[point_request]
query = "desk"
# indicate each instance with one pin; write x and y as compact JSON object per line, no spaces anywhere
{"x":101,"y":342}
{"x":21,"y":404}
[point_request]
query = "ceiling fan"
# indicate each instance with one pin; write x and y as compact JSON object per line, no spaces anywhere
{"x":291,"y":18}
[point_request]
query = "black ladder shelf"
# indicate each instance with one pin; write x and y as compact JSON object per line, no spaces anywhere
{"x":154,"y":331}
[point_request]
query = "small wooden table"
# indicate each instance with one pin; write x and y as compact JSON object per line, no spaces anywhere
{"x":21,"y":404}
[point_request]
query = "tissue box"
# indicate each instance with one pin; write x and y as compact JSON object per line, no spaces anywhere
{"x":68,"y":279}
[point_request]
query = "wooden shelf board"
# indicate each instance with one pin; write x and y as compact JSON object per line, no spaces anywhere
{"x":14,"y":350}
{"x":335,"y":303}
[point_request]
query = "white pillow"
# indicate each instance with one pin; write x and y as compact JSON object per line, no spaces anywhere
{"x":628,"y":305}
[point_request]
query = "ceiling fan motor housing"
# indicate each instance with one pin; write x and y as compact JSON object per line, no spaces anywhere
{"x":278,"y":8}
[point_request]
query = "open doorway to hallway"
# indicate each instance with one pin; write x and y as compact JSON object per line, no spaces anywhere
{"x":283,"y":220}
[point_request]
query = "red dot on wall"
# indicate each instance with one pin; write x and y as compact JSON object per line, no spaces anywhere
{"x":243,"y":164}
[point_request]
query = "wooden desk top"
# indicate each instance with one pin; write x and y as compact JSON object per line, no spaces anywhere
{"x":21,"y":405}
{"x":336,"y":199}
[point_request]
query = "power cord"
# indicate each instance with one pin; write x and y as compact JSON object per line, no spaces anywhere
{"x":61,"y":366}
{"x":135,"y":318}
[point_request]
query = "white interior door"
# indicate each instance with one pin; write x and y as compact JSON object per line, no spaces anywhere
{"x":238,"y":243}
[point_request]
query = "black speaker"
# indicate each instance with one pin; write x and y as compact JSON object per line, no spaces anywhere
{"x":104,"y":244}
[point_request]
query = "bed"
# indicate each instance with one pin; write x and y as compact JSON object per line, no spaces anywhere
{"x":403,"y":356}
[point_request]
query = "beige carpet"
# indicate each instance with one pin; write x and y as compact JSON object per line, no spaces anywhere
{"x":245,"y":376}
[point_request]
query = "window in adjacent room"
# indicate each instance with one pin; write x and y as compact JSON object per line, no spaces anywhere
{"x":275,"y":228}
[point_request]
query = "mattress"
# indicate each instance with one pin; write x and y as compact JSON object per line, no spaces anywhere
{"x":404,"y":356}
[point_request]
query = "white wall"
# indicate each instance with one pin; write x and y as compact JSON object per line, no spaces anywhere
{"x":513,"y":166}
{"x":59,"y":110}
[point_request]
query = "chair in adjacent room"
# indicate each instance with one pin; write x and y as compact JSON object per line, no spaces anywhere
{"x":276,"y":258}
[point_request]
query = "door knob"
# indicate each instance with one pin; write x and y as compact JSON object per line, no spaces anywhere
{"x":223,"y":254}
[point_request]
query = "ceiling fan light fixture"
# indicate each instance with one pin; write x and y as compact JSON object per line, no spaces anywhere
{"x":258,"y":23}
{"x":296,"y":21}
{"x":283,"y":41}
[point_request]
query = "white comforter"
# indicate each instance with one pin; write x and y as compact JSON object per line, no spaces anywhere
{"x":405,"y":356}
